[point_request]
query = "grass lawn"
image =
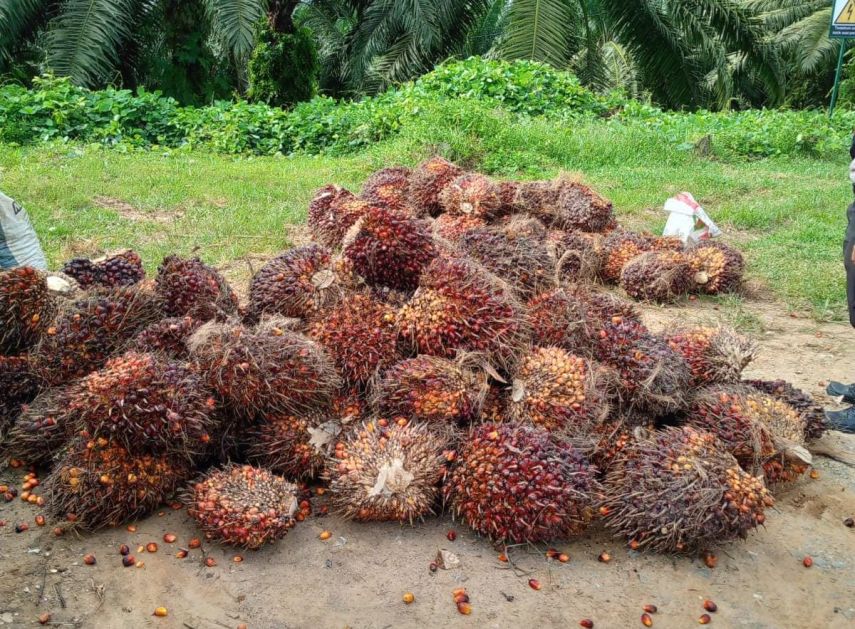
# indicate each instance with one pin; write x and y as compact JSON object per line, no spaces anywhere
{"x":787,"y":215}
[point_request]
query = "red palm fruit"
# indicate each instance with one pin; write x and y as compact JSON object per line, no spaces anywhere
{"x":430,"y":389}
{"x":427,"y":181}
{"x":667,"y":243}
{"x":607,"y":441}
{"x":576,"y":254}
{"x":518,"y":484}
{"x":388,"y":188}
{"x":168,"y":337}
{"x":387,"y":473}
{"x":558,"y":318}
{"x":452,"y":227}
{"x":461,"y":306}
{"x":389,"y":248}
{"x":507,"y":196}
{"x":580,"y":207}
{"x":536,"y":198}
{"x":18,"y":386}
{"x":653,"y":377}
{"x":123,"y":268}
{"x":494,"y":409}
{"x":522,"y":226}
{"x":85,"y":272}
{"x":678,"y":490}
{"x":241,"y":505}
{"x":102,"y":484}
{"x":44,"y":426}
{"x":265,"y":369}
{"x":813,"y":414}
{"x":147,"y":404}
{"x":620,"y":247}
{"x":718,"y":268}
{"x":300,"y":283}
{"x":658,"y":276}
{"x":332,"y":211}
{"x":189,"y":287}
{"x":715,"y":354}
{"x":556,"y":390}
{"x":522,"y":261}
{"x":471,"y":194}
{"x":359,"y":335}
{"x":26,"y":308}
{"x":88,"y":331}
{"x":603,"y":307}
{"x":765,"y":434}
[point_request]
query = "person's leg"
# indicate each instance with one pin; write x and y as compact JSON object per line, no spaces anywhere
{"x":849,"y":265}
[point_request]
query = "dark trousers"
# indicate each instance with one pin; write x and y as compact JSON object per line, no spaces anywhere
{"x":848,"y":244}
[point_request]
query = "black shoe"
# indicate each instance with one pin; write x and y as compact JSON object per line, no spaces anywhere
{"x":840,"y":389}
{"x":844,"y":420}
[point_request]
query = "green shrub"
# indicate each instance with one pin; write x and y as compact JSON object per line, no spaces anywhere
{"x":283,"y":68}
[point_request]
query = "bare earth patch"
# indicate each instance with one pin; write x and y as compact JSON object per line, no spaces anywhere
{"x":132,"y":213}
{"x":357,"y":578}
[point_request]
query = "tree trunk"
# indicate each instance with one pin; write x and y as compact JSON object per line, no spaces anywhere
{"x":279,"y":14}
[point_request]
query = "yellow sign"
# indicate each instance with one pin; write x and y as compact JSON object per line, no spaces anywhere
{"x":843,"y":19}
{"x":847,"y":15}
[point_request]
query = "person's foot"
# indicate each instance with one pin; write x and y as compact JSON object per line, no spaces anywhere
{"x":847,"y":391}
{"x":844,"y":420}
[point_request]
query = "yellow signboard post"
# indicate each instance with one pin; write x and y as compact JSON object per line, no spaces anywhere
{"x":843,"y":28}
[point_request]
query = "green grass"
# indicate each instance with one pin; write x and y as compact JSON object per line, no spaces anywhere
{"x":788,"y":215}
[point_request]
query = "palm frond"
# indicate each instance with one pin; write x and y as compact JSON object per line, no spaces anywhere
{"x":486,"y":29}
{"x":15,"y":18}
{"x":84,"y":37}
{"x":540,"y":30}
{"x":808,"y":39}
{"x":236,"y":22}
{"x":777,"y":14}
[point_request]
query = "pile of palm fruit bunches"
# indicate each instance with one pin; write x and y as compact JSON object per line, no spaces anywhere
{"x":446,"y":344}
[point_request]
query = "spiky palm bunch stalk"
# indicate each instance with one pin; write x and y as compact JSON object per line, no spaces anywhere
{"x":518,"y":484}
{"x":716,"y":355}
{"x":300,"y":283}
{"x":389,"y":470}
{"x":576,"y":254}
{"x":678,"y":490}
{"x":241,"y":505}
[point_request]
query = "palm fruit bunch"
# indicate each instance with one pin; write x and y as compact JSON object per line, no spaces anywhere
{"x":88,"y":331}
{"x":678,"y":490}
{"x":359,"y":335}
{"x":522,"y":226}
{"x":765,"y":434}
{"x":44,"y":426}
{"x":332,"y":211}
{"x":460,"y":306}
{"x":300,"y":283}
{"x":264,"y":369}
{"x":388,"y":187}
{"x":580,"y":207}
{"x":814,"y":415}
{"x":606,"y":441}
{"x":168,"y":337}
{"x":241,"y":505}
{"x":296,"y":446}
{"x":189,"y":287}
{"x":124,"y":268}
{"x":98,"y":483}
{"x":507,"y":198}
{"x":388,"y":470}
{"x":494,"y":408}
{"x":452,"y":227}
{"x":471,"y":194}
{"x":654,"y":377}
{"x":517,"y":484}
{"x":657,"y":276}
{"x":558,"y":318}
{"x":576,"y":254}
{"x":602,"y":307}
{"x":718,"y":268}
{"x":522,"y":261}
{"x":716,"y":355}
{"x":620,"y":247}
{"x":667,"y":243}
{"x":427,"y":181}
{"x":147,"y":404}
{"x":430,"y":389}
{"x":26,"y":308}
{"x":389,"y":248}
{"x":17,"y":386}
{"x":557,"y":390}
{"x":537,"y":198}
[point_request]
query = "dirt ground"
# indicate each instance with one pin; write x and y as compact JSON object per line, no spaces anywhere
{"x":357,"y":578}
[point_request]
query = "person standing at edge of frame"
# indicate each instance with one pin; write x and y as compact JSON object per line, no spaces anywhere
{"x":844,"y":420}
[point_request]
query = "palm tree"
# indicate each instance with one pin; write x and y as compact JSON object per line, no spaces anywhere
{"x":684,"y":51}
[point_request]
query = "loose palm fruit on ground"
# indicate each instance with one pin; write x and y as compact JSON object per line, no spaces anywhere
{"x":519,"y":484}
{"x":387,"y":473}
{"x":241,"y":505}
{"x":679,"y":490}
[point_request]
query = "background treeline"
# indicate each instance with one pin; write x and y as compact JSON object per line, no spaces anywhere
{"x":686,"y":54}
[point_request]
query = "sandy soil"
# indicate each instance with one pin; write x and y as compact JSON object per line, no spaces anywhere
{"x":356,"y":578}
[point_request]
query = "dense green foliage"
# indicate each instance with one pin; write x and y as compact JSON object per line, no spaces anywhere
{"x":485,"y":95}
{"x":283,"y":68}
